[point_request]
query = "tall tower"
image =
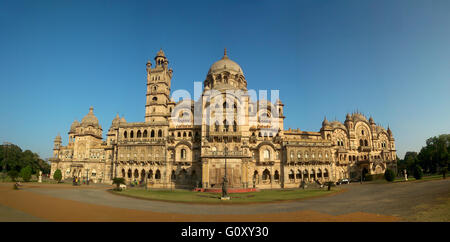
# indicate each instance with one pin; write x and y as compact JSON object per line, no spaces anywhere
{"x":158,"y":89}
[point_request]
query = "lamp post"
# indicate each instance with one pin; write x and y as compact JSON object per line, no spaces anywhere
{"x":87,"y":176}
{"x":224,"y":185}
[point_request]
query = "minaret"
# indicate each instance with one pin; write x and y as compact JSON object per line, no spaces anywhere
{"x":158,"y":89}
{"x":57,"y":145}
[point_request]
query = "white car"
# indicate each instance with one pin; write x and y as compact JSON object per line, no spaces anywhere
{"x":343,"y":181}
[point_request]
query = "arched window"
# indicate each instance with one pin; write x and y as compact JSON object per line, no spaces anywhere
{"x":173,"y":176}
{"x":183,"y":154}
{"x":125,"y":134}
{"x":225,"y":105}
{"x":179,"y":134}
{"x":131,"y":134}
{"x":291,"y":175}
{"x":155,"y":99}
{"x":366,"y":143}
{"x":216,"y":126}
{"x":150,"y":174}
{"x":276,"y":176}
{"x":299,"y":155}
{"x":266,"y":175}
{"x":152,"y":133}
{"x":159,"y":133}
{"x":138,"y":134}
{"x":362,"y":132}
{"x":234,"y":126}
{"x":292,"y":155}
{"x":225,"y":125}
{"x":129,"y":173}
{"x":360,"y":142}
{"x":266,"y":154}
{"x":158,"y":174}
{"x":145,"y":134}
{"x":123,"y":173}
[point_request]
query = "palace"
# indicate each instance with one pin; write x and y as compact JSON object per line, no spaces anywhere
{"x":189,"y":143}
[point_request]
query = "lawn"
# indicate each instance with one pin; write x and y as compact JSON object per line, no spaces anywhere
{"x":236,"y":198}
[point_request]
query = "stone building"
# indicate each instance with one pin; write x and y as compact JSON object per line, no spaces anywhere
{"x":188,"y":143}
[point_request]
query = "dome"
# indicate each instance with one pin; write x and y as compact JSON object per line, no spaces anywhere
{"x":116,"y":121}
{"x":90,"y":119}
{"x":225,"y":64}
{"x":337,"y":124}
{"x":358,"y":117}
{"x":325,"y":122}
{"x":160,"y":53}
{"x":74,"y":125}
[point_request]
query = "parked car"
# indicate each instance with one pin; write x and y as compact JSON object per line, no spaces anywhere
{"x":342,"y":181}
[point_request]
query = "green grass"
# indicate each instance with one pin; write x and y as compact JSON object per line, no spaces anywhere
{"x":410,"y":179}
{"x":203,"y":197}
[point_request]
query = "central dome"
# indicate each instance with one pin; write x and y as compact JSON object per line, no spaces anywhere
{"x":225,"y":64}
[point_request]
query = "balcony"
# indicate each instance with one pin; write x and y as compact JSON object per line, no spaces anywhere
{"x":364,"y":148}
{"x":222,"y":154}
{"x":159,"y":140}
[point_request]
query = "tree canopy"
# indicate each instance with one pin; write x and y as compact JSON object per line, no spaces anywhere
{"x":432,"y":158}
{"x":13,"y":158}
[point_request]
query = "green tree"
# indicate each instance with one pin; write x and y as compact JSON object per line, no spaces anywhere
{"x":418,"y":173}
{"x":25,"y":173}
{"x":389,"y":175}
{"x":118,"y":181}
{"x":57,"y":175}
{"x":13,"y":174}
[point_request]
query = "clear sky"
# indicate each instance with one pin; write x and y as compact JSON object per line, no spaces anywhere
{"x":387,"y":59}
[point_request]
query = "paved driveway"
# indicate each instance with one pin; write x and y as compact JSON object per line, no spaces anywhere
{"x":397,"y":199}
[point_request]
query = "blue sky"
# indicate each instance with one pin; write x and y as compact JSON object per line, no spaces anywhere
{"x":387,"y":59}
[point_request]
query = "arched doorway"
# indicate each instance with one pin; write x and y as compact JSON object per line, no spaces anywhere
{"x":266,"y":176}
{"x":364,"y":172}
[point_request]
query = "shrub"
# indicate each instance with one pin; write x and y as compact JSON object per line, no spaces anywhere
{"x":368,"y":177}
{"x":57,"y":175}
{"x":389,"y":175}
{"x":418,"y":173}
{"x":118,"y":181}
{"x":25,"y":173}
{"x":13,"y":174}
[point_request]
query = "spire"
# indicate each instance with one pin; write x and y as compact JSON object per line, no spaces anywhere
{"x":91,"y":109}
{"x":225,"y":54}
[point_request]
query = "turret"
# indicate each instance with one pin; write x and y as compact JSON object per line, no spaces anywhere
{"x":57,"y":145}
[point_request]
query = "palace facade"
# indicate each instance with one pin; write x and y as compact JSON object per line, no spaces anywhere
{"x":188,"y":143}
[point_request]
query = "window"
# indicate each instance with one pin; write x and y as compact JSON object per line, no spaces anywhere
{"x":183,"y":154}
{"x":125,"y":134}
{"x":145,"y":134}
{"x":266,"y":154}
{"x":152,"y":133}
{"x":155,"y":99}
{"x":159,"y":133}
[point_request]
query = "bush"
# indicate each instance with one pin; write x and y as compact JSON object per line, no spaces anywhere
{"x":13,"y":174}
{"x":57,"y":175}
{"x":389,"y":175}
{"x":25,"y":173}
{"x":118,"y":181}
{"x":418,"y":173}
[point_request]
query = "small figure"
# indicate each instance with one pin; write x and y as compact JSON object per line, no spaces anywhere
{"x":406,"y":174}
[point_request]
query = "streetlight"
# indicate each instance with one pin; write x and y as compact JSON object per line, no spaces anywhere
{"x":224,"y":185}
{"x":87,"y":176}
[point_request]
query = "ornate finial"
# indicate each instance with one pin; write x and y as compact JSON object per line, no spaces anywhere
{"x":91,"y":109}
{"x":225,"y":54}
